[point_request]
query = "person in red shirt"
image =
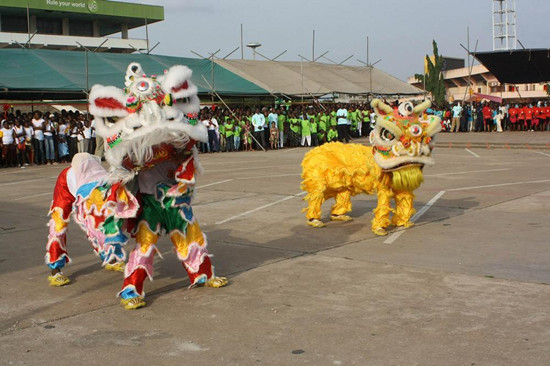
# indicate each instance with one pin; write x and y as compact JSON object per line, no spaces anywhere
{"x":521,"y":117}
{"x":487,"y":118}
{"x":528,"y":111}
{"x":513,"y":113}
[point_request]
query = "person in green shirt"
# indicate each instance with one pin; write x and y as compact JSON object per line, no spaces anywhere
{"x":294,"y":130}
{"x":221,"y":131}
{"x":332,"y":134}
{"x":229,"y":132}
{"x":366,"y":121}
{"x":237,"y":135}
{"x":314,"y":130}
{"x":281,"y":119}
{"x":322,"y":128}
{"x":332,"y":117}
{"x":306,"y":131}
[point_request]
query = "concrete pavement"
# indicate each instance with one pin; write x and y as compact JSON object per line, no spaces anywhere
{"x":467,"y":285}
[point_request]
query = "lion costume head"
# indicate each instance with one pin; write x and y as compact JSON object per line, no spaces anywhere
{"x":146,"y":123}
{"x":402,"y":142}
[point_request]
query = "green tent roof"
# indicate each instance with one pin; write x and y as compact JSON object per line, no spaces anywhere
{"x":49,"y":74}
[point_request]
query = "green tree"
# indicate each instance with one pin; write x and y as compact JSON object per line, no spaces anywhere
{"x":435,"y":83}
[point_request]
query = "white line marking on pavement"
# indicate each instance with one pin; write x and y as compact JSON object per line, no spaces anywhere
{"x":287,"y":150}
{"x":473,"y":153}
{"x":498,"y":185}
{"x":259,"y":208}
{"x":270,"y":176}
{"x":538,"y":152}
{"x":33,"y":196}
{"x":416,"y":216}
{"x":213,"y":184}
{"x":467,"y":172}
{"x":25,"y":181}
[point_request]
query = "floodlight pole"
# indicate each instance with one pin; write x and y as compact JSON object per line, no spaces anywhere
{"x":242,"y":48}
{"x":369,"y":65}
{"x":147,"y":34}
{"x":313,"y":47}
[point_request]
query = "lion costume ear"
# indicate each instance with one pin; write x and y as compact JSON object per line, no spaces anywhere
{"x":177,"y":82}
{"x":381,"y":108}
{"x":107,"y":101}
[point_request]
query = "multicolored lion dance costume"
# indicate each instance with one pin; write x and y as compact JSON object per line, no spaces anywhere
{"x":402,"y":143}
{"x":148,"y":189}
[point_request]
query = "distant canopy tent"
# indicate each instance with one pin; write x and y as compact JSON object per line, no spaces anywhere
{"x":316,"y":79}
{"x":37,"y":74}
{"x":33,"y":74}
{"x":517,"y":66}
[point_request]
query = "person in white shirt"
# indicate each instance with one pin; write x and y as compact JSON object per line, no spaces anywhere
{"x":87,"y":134}
{"x":29,"y":148}
{"x":8,"y":144}
{"x":49,"y":130}
{"x":457,"y":112}
{"x":205,"y":120}
{"x":258,"y":122}
{"x":342,"y":124}
{"x":63,"y":147}
{"x":19,"y":133}
{"x":213,"y":139}
{"x":38,"y":138}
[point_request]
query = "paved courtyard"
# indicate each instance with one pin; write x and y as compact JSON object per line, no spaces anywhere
{"x":467,"y":285}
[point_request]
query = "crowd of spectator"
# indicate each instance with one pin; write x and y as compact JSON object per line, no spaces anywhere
{"x":245,"y":128}
{"x":44,"y":138}
{"x":495,"y":117}
{"x":50,"y":138}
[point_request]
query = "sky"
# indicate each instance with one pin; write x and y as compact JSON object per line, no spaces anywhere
{"x":400,"y":31}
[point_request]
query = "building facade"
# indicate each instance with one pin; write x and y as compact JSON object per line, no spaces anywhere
{"x":484,"y":85}
{"x":98,"y":25}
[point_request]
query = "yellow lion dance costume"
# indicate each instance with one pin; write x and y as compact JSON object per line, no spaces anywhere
{"x":402,"y":143}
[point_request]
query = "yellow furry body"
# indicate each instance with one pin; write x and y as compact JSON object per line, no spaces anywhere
{"x":340,"y":171}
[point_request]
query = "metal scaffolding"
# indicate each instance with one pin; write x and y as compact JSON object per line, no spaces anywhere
{"x":504,"y":25}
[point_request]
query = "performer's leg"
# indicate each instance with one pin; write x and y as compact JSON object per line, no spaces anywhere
{"x":382,"y":212}
{"x":403,"y":209}
{"x":314,"y":199}
{"x":56,"y":250}
{"x":139,"y":267}
{"x":190,"y":246}
{"x":341,"y":207}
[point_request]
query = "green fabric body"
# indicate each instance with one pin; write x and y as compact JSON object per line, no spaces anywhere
{"x":160,"y":215}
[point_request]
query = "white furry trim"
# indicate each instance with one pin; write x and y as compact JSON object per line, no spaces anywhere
{"x":139,"y":148}
{"x":192,"y":105}
{"x":176,"y":76}
{"x":100,"y":91}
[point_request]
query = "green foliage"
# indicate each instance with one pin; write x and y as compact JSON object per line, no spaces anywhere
{"x":435,"y":83}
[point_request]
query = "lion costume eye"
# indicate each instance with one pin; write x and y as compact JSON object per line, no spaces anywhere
{"x":386,"y":135}
{"x":415,"y":130}
{"x":143,"y":86}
